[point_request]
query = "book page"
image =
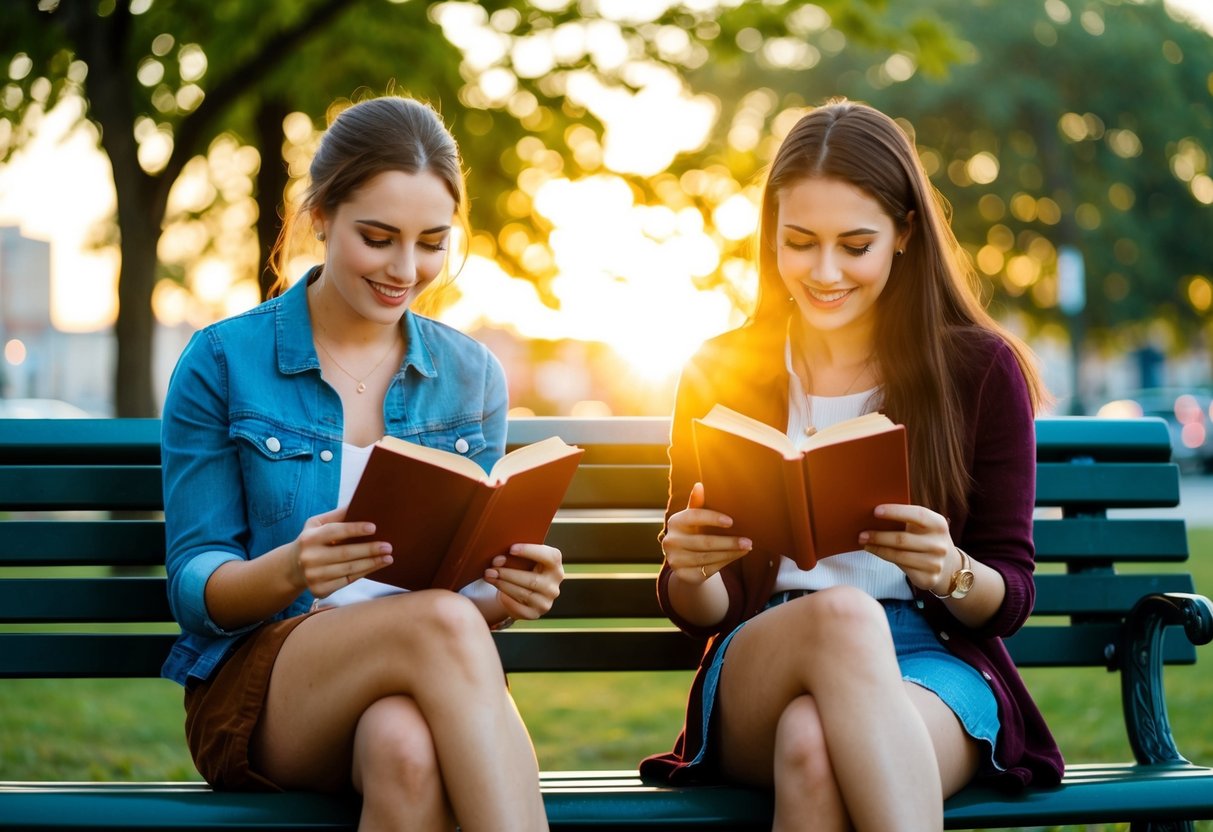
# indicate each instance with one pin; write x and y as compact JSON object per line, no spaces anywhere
{"x":439,"y":459}
{"x":530,"y":456}
{"x":865,"y":425}
{"x":726,"y":419}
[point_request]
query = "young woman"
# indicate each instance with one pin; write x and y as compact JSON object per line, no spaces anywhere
{"x":868,"y":689}
{"x":267,"y":425}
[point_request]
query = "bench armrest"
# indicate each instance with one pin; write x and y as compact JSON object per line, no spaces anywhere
{"x":1141,"y":668}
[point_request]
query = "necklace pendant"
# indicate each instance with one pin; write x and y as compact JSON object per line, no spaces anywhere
{"x":361,"y":388}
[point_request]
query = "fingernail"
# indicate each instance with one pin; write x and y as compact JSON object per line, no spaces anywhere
{"x":863,"y":538}
{"x":725,"y":522}
{"x":386,"y":559}
{"x":878,"y":511}
{"x":368,"y":528}
{"x":385,"y":548}
{"x":491,"y":574}
{"x":746,"y":543}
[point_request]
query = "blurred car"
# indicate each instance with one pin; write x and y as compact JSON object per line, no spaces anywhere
{"x":41,"y":409}
{"x":1189,"y":417}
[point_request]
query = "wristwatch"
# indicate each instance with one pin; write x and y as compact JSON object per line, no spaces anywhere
{"x":962,"y":579}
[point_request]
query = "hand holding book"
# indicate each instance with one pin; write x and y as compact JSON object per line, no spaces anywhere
{"x":447,"y":519}
{"x":806,"y":503}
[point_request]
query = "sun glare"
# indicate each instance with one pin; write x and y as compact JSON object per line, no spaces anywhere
{"x":625,"y":276}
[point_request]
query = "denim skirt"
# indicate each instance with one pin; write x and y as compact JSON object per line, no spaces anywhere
{"x":923,"y":661}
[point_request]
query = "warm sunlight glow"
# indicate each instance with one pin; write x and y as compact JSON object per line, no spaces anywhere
{"x":624,"y":276}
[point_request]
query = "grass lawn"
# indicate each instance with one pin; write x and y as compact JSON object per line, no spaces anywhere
{"x":132,"y":729}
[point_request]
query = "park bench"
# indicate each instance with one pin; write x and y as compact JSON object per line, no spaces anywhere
{"x":86,"y":493}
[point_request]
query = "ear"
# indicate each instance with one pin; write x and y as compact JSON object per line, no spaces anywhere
{"x":319,"y":224}
{"x":907,"y":231}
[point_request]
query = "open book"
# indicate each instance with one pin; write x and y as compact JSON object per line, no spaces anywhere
{"x":806,"y":504}
{"x":447,"y":519}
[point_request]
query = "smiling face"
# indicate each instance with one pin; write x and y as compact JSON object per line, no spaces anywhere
{"x":834,"y":250}
{"x":386,"y":244}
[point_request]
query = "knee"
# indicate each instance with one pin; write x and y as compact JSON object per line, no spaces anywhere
{"x":844,"y":620}
{"x":394,"y":752}
{"x":449,"y":622}
{"x":801,"y":754}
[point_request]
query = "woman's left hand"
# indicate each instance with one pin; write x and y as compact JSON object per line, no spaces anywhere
{"x":922,"y":551}
{"x":527,"y":593}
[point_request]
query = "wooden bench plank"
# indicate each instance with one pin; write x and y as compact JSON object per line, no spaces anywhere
{"x":82,"y":543}
{"x":1085,"y":538}
{"x":1107,"y":485}
{"x":80,"y":487}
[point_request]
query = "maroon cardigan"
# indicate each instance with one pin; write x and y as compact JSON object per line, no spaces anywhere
{"x":748,"y":375}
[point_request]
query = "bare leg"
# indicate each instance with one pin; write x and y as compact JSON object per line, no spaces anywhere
{"x":803,"y":769}
{"x":396,"y":769}
{"x":432,"y":647}
{"x":834,"y":646}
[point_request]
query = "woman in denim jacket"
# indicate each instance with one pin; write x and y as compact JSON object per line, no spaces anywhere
{"x":289,"y":683}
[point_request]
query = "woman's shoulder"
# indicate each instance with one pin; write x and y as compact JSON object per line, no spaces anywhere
{"x":446,"y":343}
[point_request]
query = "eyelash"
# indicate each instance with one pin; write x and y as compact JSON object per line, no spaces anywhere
{"x":375,"y":243}
{"x":854,"y":251}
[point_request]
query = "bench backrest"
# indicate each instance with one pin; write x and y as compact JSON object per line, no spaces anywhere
{"x":82,"y":547}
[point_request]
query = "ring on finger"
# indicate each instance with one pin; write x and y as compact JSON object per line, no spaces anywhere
{"x":703,"y":570}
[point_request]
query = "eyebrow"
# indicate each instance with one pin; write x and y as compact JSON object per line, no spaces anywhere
{"x":854,"y":232}
{"x":438,"y":229}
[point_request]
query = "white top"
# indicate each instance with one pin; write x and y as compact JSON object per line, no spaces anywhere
{"x":860,"y":569}
{"x":353,"y":462}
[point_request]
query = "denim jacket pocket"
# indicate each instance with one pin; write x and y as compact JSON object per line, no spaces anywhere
{"x":465,"y":438}
{"x":272,"y":459}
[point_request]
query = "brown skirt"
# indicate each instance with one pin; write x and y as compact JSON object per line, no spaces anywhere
{"x":222,"y":712}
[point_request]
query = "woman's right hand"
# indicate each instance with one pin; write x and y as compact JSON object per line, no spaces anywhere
{"x":695,"y":547}
{"x":322,"y":562}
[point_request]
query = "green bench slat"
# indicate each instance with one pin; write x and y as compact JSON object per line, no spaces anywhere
{"x":618,"y":486}
{"x":1089,"y":594}
{"x":1107,"y":485}
{"x":78,"y":600}
{"x":600,"y":800}
{"x":608,"y":540}
{"x":80,"y":487}
{"x":1083,"y":538}
{"x":126,"y":655}
{"x":583,"y":595}
{"x":1060,"y":439}
{"x":82,"y":543}
{"x":1083,"y":645}
{"x":80,"y":441}
{"x":83,"y":655}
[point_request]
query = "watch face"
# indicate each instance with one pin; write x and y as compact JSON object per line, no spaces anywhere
{"x":964,"y":582}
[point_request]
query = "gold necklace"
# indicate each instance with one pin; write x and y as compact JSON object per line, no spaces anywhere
{"x":361,"y":382}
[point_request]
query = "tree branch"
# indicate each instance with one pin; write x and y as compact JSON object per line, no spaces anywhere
{"x":193,"y":128}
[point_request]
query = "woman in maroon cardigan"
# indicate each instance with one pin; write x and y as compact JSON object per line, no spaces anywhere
{"x":868,"y":689}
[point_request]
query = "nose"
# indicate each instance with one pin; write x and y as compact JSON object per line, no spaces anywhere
{"x":827,"y":269}
{"x":403,"y":267}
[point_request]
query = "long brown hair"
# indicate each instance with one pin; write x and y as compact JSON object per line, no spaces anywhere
{"x":931,"y":291}
{"x":389,"y":133}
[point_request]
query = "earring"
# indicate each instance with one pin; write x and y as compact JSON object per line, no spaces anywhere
{"x":900,"y":252}
{"x":320,"y":236}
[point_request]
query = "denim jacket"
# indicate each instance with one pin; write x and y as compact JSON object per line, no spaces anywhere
{"x":251,"y":445}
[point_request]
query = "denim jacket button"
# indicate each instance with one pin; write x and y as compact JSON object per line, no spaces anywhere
{"x":273,"y":444}
{"x":461,"y":445}
{"x":326,"y":455}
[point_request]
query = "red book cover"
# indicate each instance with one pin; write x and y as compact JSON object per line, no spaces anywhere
{"x":446,"y":518}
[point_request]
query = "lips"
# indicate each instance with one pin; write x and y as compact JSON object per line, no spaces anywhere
{"x":828,"y":297}
{"x":391,"y":292}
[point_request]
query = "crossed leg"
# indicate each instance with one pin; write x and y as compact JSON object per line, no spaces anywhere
{"x":406,"y":697}
{"x":844,"y":741}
